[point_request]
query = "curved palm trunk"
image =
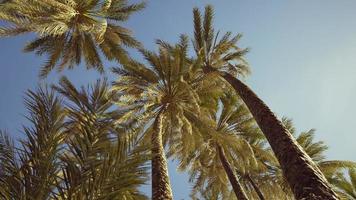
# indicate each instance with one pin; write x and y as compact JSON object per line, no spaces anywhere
{"x":236,"y":186}
{"x":256,"y":188}
{"x":303,"y":176}
{"x":161,"y":188}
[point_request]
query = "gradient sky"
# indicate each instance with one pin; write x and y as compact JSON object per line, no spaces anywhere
{"x":303,"y":59}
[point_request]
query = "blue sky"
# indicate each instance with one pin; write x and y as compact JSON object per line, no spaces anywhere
{"x":303,"y":59}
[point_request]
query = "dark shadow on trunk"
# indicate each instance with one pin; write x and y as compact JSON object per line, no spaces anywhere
{"x":236,"y":186}
{"x":161,"y":188}
{"x":303,"y":176}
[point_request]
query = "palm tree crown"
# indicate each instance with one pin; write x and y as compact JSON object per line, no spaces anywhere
{"x":221,"y":54}
{"x":167,"y":85}
{"x":69,"y":30}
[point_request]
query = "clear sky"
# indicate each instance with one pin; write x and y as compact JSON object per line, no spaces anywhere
{"x":303,"y":59}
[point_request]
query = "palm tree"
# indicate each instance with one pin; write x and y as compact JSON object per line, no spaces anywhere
{"x":69,"y":30}
{"x":163,"y":97}
{"x":225,"y":59}
{"x":185,"y":151}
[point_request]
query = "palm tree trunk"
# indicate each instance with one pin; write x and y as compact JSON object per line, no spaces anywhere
{"x":236,"y":186}
{"x":303,"y":176}
{"x":255,"y":187}
{"x":161,"y":188}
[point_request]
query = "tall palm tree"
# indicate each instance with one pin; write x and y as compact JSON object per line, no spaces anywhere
{"x":162,"y":96}
{"x":209,"y":106}
{"x":225,"y":59}
{"x":185,"y":151}
{"x":71,"y":30}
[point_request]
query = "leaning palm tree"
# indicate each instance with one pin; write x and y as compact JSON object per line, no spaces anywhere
{"x":164,"y":97}
{"x":71,"y":30}
{"x":209,"y":106}
{"x":225,"y":59}
{"x":101,"y":158}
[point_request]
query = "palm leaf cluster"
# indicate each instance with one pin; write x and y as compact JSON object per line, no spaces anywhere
{"x":73,"y":149}
{"x":94,"y":142}
{"x":346,"y":185}
{"x":218,"y":53}
{"x":30,"y":172}
{"x":68,"y":31}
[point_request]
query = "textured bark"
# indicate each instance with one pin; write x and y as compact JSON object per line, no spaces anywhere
{"x":236,"y":186}
{"x":161,"y":188}
{"x":303,"y":176}
{"x":256,"y":188}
